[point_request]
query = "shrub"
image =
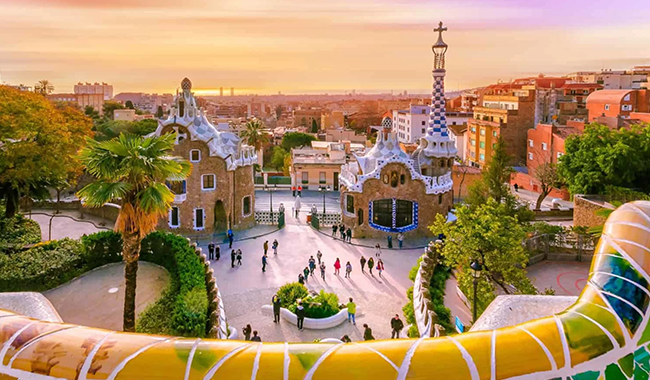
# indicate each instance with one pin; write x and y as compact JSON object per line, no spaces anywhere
{"x":156,"y":318}
{"x":322,"y":305}
{"x":102,"y":248}
{"x":290,"y":292}
{"x":413,"y":331}
{"x":17,"y":232}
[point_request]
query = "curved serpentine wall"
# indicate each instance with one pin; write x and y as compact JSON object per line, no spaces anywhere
{"x":603,"y":336}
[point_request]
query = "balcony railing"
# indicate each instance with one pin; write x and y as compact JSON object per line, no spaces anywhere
{"x":180,"y":198}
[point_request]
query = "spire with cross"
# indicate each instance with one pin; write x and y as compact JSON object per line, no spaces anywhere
{"x":439,"y":49}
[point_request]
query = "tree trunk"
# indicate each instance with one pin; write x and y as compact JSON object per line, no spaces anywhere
{"x":58,"y":201}
{"x":11,"y":204}
{"x":131,"y":254}
{"x":540,"y":199}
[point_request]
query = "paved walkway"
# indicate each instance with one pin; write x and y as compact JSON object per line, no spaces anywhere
{"x":96,"y":298}
{"x":530,"y":198}
{"x":567,"y":278}
{"x":67,"y":224}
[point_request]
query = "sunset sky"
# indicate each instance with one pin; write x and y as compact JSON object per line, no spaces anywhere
{"x":311,"y":46}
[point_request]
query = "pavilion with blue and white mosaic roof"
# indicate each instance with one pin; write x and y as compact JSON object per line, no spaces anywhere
{"x":390,"y":189}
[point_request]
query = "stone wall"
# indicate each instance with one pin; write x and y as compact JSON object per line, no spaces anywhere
{"x":412,"y":190}
{"x":584,"y":210}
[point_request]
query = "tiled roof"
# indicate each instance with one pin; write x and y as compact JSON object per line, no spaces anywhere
{"x":582,"y":85}
{"x":458,"y":129}
{"x":607,"y":96}
{"x":564,"y":132}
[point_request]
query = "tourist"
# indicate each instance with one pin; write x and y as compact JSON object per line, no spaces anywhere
{"x":276,"y":308}
{"x":390,"y":241}
{"x":322,"y":270}
{"x":516,"y":188}
{"x":233,"y":256}
{"x":337,"y":267}
{"x":281,"y":209}
{"x":275,"y":246}
{"x":264,"y":258}
{"x":211,"y":251}
{"x":306,"y":273}
{"x":293,"y":190}
{"x":239,"y":257}
{"x":301,"y":279}
{"x":312,"y":265}
{"x":352,"y":311}
{"x":300,"y":314}
{"x":371,"y":263}
{"x":231,"y":237}
{"x":342,"y":231}
{"x":400,"y":239}
{"x":348,"y":269}
{"x":334,"y":228}
{"x":346,"y":339}
{"x":319,"y":256}
{"x":247,"y":332}
{"x":367,"y":332}
{"x":377,"y":250}
{"x":297,"y":213}
{"x":299,"y":191}
{"x":217,"y":252}
{"x":380,"y":266}
{"x":397,"y":325}
{"x":266,"y":247}
{"x":255,"y":337}
{"x":349,"y":234}
{"x":363,"y":263}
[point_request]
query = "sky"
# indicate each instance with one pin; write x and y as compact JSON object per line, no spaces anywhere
{"x":312,"y":46}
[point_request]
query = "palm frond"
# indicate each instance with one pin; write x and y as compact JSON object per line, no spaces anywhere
{"x":155,"y":199}
{"x":98,"y":193}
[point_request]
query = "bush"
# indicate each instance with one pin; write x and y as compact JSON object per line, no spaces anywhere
{"x":413,"y":332}
{"x":156,"y":318}
{"x":290,"y":292}
{"x":102,"y":248}
{"x":17,"y":232}
{"x":322,"y":305}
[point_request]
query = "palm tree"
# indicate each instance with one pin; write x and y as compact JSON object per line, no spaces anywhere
{"x":132,"y":169}
{"x":253,"y":134}
{"x":44,"y":87}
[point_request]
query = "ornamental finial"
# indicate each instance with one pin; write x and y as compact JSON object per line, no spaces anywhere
{"x":439,"y":48}
{"x":440,"y":29}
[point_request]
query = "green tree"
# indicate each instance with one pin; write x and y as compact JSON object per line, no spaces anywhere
{"x":277,"y":161}
{"x":314,"y":126}
{"x":38,"y":144}
{"x":129,"y":104}
{"x":133,"y":170}
{"x":44,"y":87}
{"x":548,"y":178}
{"x":491,"y":236}
{"x":112,"y":128}
{"x":159,"y":112}
{"x":92,"y":113}
{"x":109,"y":108}
{"x":603,"y":157}
{"x":254,"y":134}
{"x":296,"y":139}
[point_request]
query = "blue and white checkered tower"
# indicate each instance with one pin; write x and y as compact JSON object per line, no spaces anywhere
{"x":437,"y":140}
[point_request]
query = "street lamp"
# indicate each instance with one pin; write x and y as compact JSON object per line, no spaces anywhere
{"x":476,"y":273}
{"x":270,"y":190}
{"x":324,"y":190}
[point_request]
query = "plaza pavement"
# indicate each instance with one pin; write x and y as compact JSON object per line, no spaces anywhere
{"x":307,"y":199}
{"x":67,"y":224}
{"x":567,"y":278}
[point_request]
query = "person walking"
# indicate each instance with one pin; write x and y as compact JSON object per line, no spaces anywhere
{"x":266,"y":247}
{"x":363,"y":263}
{"x":239,"y":257}
{"x":342,"y":231}
{"x":293,"y":190}
{"x":306,"y":273}
{"x":322,"y":270}
{"x":349,"y":234}
{"x":367,"y":332}
{"x":312,"y":265}
{"x":211,"y":251}
{"x":352,"y":311}
{"x":301,"y":279}
{"x":275,"y":246}
{"x":348,"y":269}
{"x":264,"y":258}
{"x":377,"y":250}
{"x":256,"y":337}
{"x":300,"y":314}
{"x":400,"y":239}
{"x":380,"y":266}
{"x":516,"y":188}
{"x":334,"y":228}
{"x":276,"y":308}
{"x":247,"y":332}
{"x":233,"y":256}
{"x":231,"y":237}
{"x":371,"y":263}
{"x":319,"y":256}
{"x":300,"y":191}
{"x":217,"y":252}
{"x":337,"y":267}
{"x":390,"y":241}
{"x":396,"y":325}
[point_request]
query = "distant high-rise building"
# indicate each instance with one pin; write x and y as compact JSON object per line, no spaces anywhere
{"x":220,"y":91}
{"x":232,"y":91}
{"x":94,"y":88}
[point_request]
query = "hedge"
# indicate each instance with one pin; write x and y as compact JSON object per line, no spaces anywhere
{"x":17,"y":232}
{"x":322,"y":305}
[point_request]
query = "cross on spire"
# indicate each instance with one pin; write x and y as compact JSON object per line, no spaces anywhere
{"x":440,"y":29}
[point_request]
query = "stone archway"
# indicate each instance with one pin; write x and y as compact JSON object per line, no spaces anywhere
{"x":220,"y":218}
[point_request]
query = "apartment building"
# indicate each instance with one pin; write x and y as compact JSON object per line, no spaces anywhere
{"x":82,"y":100}
{"x":411,"y":124}
{"x":618,"y":104}
{"x":95,"y":88}
{"x":320,"y":164}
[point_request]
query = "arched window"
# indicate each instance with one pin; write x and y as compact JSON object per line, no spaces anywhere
{"x":402,"y":179}
{"x":439,"y":198}
{"x":385,"y":179}
{"x":181,"y":108}
{"x":442,"y":162}
{"x":393,"y":179}
{"x":360,"y":216}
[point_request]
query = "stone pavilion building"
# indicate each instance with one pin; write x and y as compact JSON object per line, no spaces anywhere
{"x":219,"y":193}
{"x":388,"y":190}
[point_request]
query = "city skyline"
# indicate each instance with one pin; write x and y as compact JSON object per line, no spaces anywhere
{"x":305,"y":48}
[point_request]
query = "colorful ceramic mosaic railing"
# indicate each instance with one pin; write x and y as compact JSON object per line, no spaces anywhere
{"x":604,"y":335}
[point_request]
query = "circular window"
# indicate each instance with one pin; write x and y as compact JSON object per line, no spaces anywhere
{"x":385,"y":178}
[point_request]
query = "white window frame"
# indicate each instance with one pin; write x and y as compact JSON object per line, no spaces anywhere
{"x":482,"y":132}
{"x":559,"y":154}
{"x":606,"y":107}
{"x":203,"y":182}
{"x":345,"y":205}
{"x":250,"y":211}
{"x":530,"y":143}
{"x":169,"y":219}
{"x":195,"y":150}
{"x":530,"y":156}
{"x":481,"y":157}
{"x":202,"y":222}
{"x":626,"y":107}
{"x":544,"y":146}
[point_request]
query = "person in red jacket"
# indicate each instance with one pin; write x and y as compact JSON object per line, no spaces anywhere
{"x":293,"y":189}
{"x":300,"y":191}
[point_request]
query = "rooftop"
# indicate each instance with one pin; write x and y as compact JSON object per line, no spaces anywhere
{"x":607,"y":96}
